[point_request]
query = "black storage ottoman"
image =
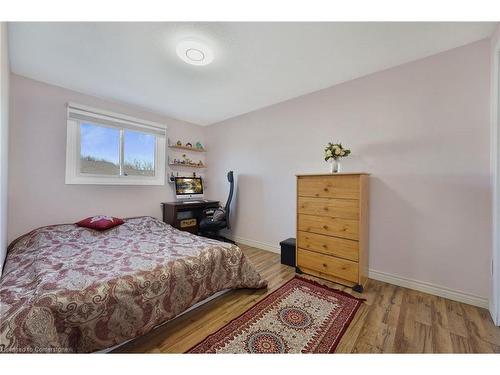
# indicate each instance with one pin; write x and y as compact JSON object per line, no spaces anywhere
{"x":288,"y":252}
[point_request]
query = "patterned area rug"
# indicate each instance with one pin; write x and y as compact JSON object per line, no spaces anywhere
{"x":302,"y":316}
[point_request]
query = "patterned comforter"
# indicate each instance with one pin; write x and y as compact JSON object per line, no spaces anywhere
{"x":71,"y":289}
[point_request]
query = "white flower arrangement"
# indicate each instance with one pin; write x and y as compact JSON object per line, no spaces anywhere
{"x":335,"y":151}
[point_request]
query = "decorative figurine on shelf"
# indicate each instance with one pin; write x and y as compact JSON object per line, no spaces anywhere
{"x":200,"y":164}
{"x":179,"y":143}
{"x":189,"y":145}
{"x":194,"y":174}
{"x":199,"y":146}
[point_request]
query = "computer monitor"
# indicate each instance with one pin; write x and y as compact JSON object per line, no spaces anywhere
{"x":188,"y":187}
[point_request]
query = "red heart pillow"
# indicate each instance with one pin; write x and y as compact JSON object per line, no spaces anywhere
{"x":100,"y":222}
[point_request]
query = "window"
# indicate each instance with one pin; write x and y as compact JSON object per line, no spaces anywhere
{"x":99,"y":150}
{"x":113,"y":149}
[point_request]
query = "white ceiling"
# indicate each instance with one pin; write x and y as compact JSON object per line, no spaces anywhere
{"x":255,"y":65}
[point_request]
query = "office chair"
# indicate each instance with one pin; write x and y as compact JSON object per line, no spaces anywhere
{"x":215,"y":221}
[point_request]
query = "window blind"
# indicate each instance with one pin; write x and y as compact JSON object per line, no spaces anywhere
{"x":84,"y":113}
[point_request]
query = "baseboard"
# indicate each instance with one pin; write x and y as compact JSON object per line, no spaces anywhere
{"x":421,"y":286}
{"x":429,"y":288}
{"x":257,"y":244}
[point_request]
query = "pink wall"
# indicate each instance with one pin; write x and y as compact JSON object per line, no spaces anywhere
{"x":421,"y":129}
{"x":37,"y":156}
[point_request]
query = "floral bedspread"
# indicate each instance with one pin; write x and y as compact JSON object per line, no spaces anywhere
{"x":71,"y":289}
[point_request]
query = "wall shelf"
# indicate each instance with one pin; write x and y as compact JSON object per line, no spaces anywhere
{"x":187,"y":165}
{"x":188,"y":162}
{"x":185,"y":148}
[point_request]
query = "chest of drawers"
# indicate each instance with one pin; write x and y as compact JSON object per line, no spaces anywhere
{"x":332,"y":227}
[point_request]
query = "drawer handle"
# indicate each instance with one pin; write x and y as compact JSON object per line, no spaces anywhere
{"x":325,"y":246}
{"x":325,"y":189}
{"x":324,"y":265}
{"x":325,"y":208}
{"x":325,"y":227}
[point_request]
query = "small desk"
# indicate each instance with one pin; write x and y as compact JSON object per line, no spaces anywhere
{"x":184,"y":215}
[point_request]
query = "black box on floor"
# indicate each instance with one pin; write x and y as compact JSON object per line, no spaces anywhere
{"x":288,"y":252}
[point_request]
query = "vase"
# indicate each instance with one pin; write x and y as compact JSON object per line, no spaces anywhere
{"x":334,"y":166}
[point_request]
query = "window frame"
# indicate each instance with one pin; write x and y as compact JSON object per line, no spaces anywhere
{"x":116,"y":121}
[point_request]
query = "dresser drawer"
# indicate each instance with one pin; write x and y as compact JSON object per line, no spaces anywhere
{"x":340,"y":247}
{"x":333,"y":207}
{"x":327,"y":187}
{"x":330,"y":226}
{"x":341,"y":268}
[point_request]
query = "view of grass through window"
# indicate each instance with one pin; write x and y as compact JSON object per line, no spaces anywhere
{"x":139,"y":154}
{"x":100,"y":151}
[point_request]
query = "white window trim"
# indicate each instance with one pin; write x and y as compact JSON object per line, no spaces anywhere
{"x":119,"y":121}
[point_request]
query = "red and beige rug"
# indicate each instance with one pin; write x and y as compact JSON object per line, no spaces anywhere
{"x":302,"y":316}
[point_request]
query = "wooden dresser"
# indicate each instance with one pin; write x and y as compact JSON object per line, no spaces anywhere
{"x":332,"y":227}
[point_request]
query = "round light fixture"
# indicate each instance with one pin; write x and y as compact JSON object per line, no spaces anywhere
{"x":194,"y":52}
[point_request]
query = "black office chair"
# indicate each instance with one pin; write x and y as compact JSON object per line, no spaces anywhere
{"x":218,"y":219}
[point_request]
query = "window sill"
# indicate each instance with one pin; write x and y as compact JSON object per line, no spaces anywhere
{"x":114,"y":181}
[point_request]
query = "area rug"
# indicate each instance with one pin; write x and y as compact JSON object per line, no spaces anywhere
{"x":302,"y":316}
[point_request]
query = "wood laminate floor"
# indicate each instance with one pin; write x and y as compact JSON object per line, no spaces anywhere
{"x":392,"y":320}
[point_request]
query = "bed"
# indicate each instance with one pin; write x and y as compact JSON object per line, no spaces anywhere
{"x":72,"y":289}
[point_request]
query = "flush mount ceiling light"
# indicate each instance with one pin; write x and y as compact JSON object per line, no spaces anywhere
{"x":194,"y":52}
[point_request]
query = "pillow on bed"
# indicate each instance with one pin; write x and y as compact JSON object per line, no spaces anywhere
{"x":100,"y":222}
